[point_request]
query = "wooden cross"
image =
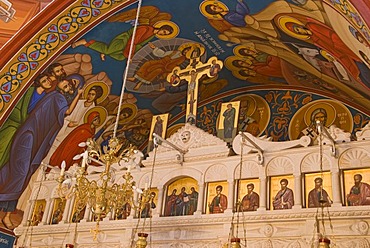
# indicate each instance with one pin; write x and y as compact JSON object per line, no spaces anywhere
{"x":192,"y":73}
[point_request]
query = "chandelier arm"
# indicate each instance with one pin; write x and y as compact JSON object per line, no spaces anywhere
{"x":180,"y":157}
{"x":323,"y":130}
{"x":129,"y":58}
{"x":260,"y":158}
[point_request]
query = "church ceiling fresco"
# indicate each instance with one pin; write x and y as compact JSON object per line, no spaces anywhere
{"x":270,"y":68}
{"x":281,"y":62}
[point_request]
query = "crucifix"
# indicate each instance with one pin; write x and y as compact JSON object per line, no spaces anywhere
{"x":191,"y":74}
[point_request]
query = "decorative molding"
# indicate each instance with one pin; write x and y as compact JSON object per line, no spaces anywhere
{"x":289,"y":228}
{"x":279,"y":166}
{"x":249,"y":169}
{"x":311,"y":163}
{"x":267,"y":230}
{"x":266,"y":144}
{"x":199,"y":145}
{"x":338,"y":135}
{"x":354,"y":158}
{"x":361,"y":227}
{"x":178,"y":173}
{"x":48,"y":40}
{"x":40,"y":192}
{"x":217,"y":172}
{"x":146,"y":179}
{"x":364,"y":133}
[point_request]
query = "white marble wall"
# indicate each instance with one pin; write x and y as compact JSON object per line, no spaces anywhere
{"x":206,"y":161}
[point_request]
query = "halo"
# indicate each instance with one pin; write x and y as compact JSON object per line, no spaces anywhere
{"x":229,"y":60}
{"x":102,"y":112}
{"x":286,"y":25}
{"x":238,"y":48}
{"x":237,"y":73}
{"x":252,"y":107}
{"x":175,"y":32}
{"x":192,"y":47}
{"x":133,"y":108}
{"x":330,"y":112}
{"x":204,"y":4}
{"x":365,"y":58}
{"x":101,"y":84}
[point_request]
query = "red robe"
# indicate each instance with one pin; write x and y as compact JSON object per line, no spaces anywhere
{"x":326,"y":38}
{"x":218,"y":204}
{"x":69,"y":147}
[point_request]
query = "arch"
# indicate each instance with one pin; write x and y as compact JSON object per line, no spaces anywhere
{"x":279,"y":166}
{"x":354,"y":158}
{"x":249,"y":169}
{"x":54,"y":192}
{"x":38,"y":29}
{"x":216,"y":172}
{"x":178,"y":173}
{"x":311,"y":163}
{"x":41,"y":192}
{"x":146,"y":179}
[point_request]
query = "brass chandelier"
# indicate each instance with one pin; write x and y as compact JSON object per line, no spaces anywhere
{"x":105,"y":195}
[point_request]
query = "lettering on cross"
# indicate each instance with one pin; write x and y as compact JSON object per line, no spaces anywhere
{"x":191,"y":74}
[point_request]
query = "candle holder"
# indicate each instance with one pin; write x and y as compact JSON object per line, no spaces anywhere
{"x":141,"y":241}
{"x":104,"y":195}
{"x":235,"y":243}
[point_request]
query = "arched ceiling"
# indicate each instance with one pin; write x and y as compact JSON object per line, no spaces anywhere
{"x":281,"y":59}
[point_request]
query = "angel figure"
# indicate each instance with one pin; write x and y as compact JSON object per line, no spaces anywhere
{"x":152,"y":23}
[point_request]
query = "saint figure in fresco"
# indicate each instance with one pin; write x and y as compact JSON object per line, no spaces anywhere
{"x":20,"y":113}
{"x":318,"y":114}
{"x":119,"y":46}
{"x":215,"y":68}
{"x":325,"y":38}
{"x":360,"y":192}
{"x":193,"y":201}
{"x":147,"y":210}
{"x":229,"y":120}
{"x":78,"y":215}
{"x":58,"y":214}
{"x":251,"y":201}
{"x":156,"y":70}
{"x":246,"y":123}
{"x":31,"y":144}
{"x":69,"y":147}
{"x":37,"y":217}
{"x":182,"y":202}
{"x":219,"y":202}
{"x":318,"y":197}
{"x":158,"y":126}
{"x":284,"y":199}
{"x":234,"y":17}
{"x":123,"y":212}
{"x":76,"y":118}
{"x":56,"y":73}
{"x":170,"y":209}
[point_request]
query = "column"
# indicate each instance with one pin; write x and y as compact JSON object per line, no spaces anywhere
{"x":201,"y":199}
{"x":297,"y":191}
{"x":49,"y":212}
{"x":335,"y":188}
{"x":28,"y":213}
{"x":230,"y":197}
{"x":111,"y":214}
{"x":46,"y":211}
{"x":67,"y":211}
{"x":263,"y":190}
{"x":157,"y":211}
{"x":87,"y":214}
